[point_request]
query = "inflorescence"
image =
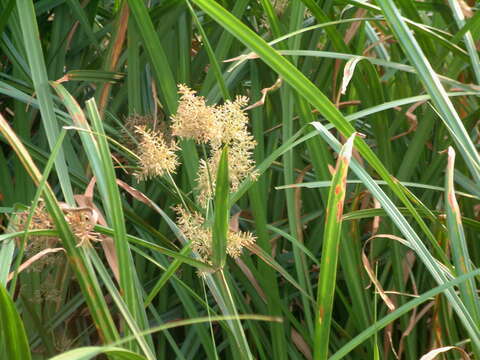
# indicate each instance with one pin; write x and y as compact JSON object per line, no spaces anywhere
{"x":212,"y":127}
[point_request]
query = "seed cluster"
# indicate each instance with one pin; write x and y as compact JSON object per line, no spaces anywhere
{"x":81,"y":221}
{"x":194,"y":119}
{"x":41,"y":220}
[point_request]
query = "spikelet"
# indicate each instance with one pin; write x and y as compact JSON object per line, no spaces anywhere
{"x":157,"y":157}
{"x":206,"y":180}
{"x":194,"y":119}
{"x":236,"y":241}
{"x":231,"y":120}
{"x":46,"y":291}
{"x":240,"y":166}
{"x":63,"y":342}
{"x":81,"y":220}
{"x":234,"y":134}
{"x":280,"y":6}
{"x":194,"y":228}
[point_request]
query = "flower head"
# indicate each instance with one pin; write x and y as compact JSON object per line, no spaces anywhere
{"x":240,"y":166}
{"x":236,"y":241}
{"x":232,"y":121}
{"x":192,"y":225}
{"x":194,"y":119}
{"x":234,"y":133}
{"x":157,"y":157}
{"x":194,"y":228}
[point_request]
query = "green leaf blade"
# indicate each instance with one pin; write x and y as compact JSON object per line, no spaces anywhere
{"x":220,"y":225}
{"x":12,"y":331}
{"x":330,"y":252}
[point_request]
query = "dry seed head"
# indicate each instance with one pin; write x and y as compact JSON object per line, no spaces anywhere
{"x":63,"y":342}
{"x":48,"y":290}
{"x":41,"y":220}
{"x":82,"y":223}
{"x":194,"y":119}
{"x":81,"y":220}
{"x":157,"y":157}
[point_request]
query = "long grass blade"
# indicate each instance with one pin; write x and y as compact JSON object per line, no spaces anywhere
{"x":434,"y":87}
{"x":330,"y":251}
{"x":220,"y":224}
{"x":28,"y":22}
{"x":461,"y":257}
{"x":380,"y":324}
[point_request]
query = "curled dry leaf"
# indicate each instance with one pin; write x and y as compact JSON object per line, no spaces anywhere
{"x":249,"y":56}
{"x":264,"y":92}
{"x":234,"y":222}
{"x":33,"y":259}
{"x":376,"y":219}
{"x":412,"y":120}
{"x":348,"y":73}
{"x":435,"y":352}
{"x":466,"y":9}
{"x":378,"y":286}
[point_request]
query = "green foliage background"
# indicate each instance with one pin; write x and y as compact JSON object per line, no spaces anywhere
{"x":374,"y":260}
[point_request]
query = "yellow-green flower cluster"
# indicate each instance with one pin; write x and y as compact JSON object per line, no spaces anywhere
{"x":157,"y":157}
{"x":213,"y":127}
{"x":217,"y":126}
{"x":193,"y":226}
{"x":194,"y":119}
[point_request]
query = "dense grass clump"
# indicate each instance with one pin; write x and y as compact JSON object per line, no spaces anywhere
{"x":249,"y":179}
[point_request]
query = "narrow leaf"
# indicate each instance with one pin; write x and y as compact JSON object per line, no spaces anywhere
{"x":461,"y":257}
{"x":330,"y":250}
{"x":220,"y":225}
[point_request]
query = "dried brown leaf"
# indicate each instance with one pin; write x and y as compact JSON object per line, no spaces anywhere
{"x":33,"y":259}
{"x":432,"y":354}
